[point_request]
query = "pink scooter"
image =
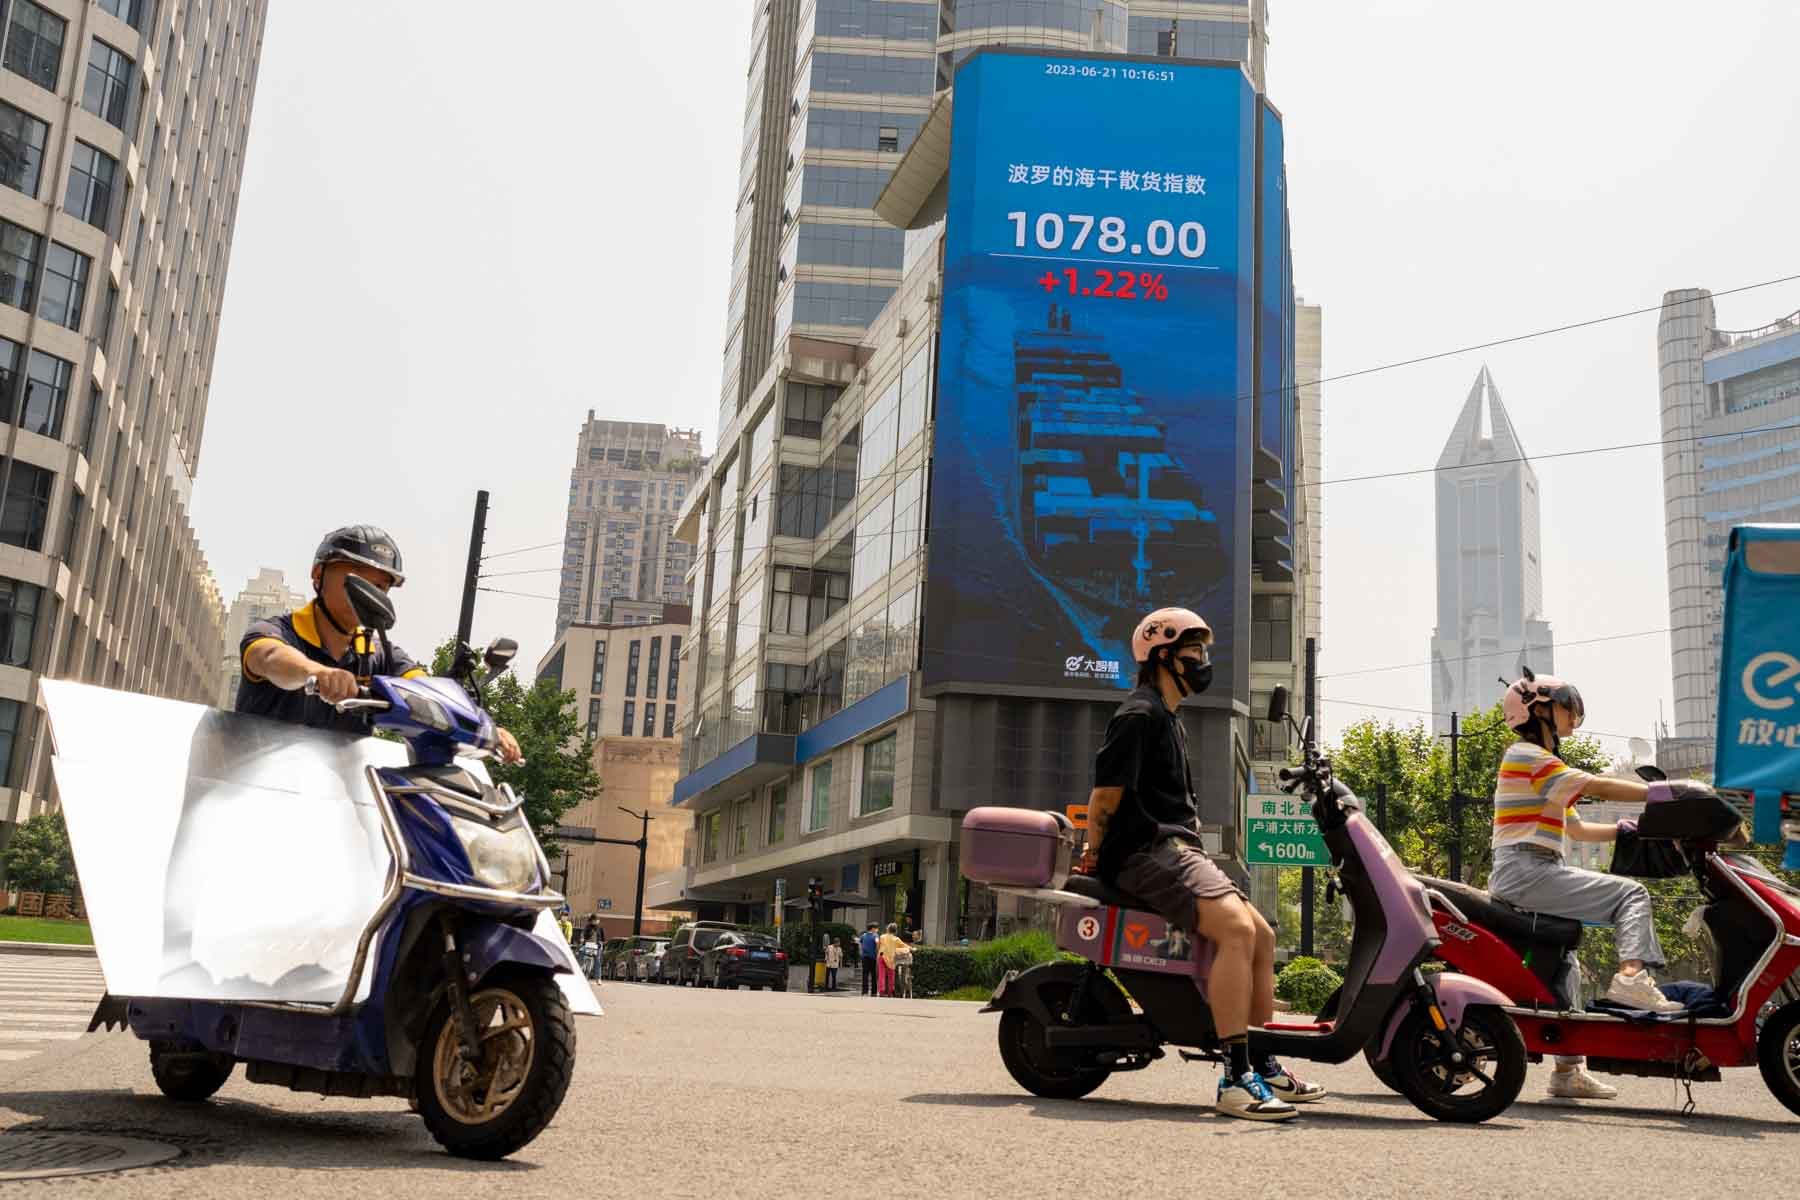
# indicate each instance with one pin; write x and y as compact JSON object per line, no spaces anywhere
{"x":1065,"y":1027}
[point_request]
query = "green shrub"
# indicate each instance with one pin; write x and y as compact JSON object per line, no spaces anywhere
{"x":977,"y":994}
{"x":941,"y":969}
{"x":1306,"y":983}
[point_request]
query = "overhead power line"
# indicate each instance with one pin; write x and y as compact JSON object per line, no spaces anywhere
{"x":1426,"y":712}
{"x":520,"y":550}
{"x":526,"y":595}
{"x":1615,"y":637}
{"x":537,"y":571}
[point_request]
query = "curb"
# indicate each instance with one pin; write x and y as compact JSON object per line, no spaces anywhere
{"x":47,"y":949}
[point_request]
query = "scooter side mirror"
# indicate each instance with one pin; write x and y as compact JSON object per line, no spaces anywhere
{"x":1651,"y":774}
{"x":370,"y":604}
{"x":500,"y":655}
{"x":1278,"y":705}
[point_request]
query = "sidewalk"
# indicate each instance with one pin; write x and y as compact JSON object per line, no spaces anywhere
{"x":46,"y":948}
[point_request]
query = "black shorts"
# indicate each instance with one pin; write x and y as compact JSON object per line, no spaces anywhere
{"x":1170,"y":876}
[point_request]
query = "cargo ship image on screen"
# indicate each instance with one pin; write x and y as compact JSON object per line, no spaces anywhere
{"x":1107,"y":514}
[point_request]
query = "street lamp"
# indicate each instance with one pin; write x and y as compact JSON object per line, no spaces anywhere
{"x":643,"y":847}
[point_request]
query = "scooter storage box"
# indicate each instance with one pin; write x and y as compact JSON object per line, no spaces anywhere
{"x":1017,"y":847}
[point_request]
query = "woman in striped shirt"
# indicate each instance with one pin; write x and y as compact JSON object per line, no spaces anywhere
{"x":1534,"y":814}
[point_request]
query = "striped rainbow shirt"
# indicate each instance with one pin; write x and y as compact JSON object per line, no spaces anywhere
{"x":1534,"y":793}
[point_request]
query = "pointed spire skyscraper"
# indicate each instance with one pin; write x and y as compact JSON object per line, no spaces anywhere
{"x":1490,"y":593}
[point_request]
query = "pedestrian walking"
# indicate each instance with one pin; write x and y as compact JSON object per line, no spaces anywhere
{"x":867,"y":943}
{"x":888,"y":947}
{"x":834,"y":958}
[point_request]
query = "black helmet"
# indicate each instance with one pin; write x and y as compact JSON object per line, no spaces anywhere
{"x":365,"y":544}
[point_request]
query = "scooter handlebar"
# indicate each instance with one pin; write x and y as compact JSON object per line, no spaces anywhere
{"x":362,"y":703}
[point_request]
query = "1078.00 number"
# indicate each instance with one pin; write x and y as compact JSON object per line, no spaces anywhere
{"x":1054,"y":231}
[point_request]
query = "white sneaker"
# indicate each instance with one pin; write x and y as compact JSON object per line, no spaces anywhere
{"x":1250,"y":1098}
{"x":1579,"y":1085}
{"x":1640,"y":991}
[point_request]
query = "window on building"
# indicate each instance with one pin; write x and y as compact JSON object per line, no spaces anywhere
{"x":630,"y":721}
{"x":20,"y":250}
{"x":107,"y":93}
{"x":1267,"y":739}
{"x":34,"y":43}
{"x":878,"y":775}
{"x":649,"y":720}
{"x":818,"y":805}
{"x":784,"y":695}
{"x":64,"y":292}
{"x":809,"y":497}
{"x":668,"y":721}
{"x":1272,"y":628}
{"x":654,"y":675}
{"x":129,"y":11}
{"x":9,"y":728}
{"x":709,"y":836}
{"x":887,"y":138}
{"x":593,"y":721}
{"x":777,"y":813}
{"x":598,"y":684}
{"x":26,"y":506}
{"x":22,"y":138}
{"x":631,"y":669}
{"x":674,"y":665}
{"x":740,"y":841}
{"x":18,"y":620}
{"x":71,"y":524}
{"x":91,"y":175}
{"x":46,"y":397}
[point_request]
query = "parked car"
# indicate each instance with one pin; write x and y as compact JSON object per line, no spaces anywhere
{"x":609,"y":954}
{"x":681,"y":960}
{"x":753,"y":960}
{"x":650,"y":965}
{"x":625,"y":957}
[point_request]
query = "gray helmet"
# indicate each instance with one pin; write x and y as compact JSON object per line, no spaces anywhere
{"x":364,"y":544}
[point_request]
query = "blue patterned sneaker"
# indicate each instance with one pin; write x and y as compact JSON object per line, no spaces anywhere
{"x":1290,"y":1087}
{"x":1250,"y":1098}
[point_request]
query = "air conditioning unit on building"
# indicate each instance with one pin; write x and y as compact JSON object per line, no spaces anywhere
{"x":904,"y":326}
{"x":931,"y":292}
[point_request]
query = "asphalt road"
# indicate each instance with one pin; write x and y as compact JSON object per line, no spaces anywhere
{"x":740,"y":1094}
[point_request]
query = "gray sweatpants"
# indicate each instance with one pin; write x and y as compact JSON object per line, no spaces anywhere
{"x":1538,"y":881}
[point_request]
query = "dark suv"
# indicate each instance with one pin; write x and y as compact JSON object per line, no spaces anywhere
{"x":681,"y":961}
{"x":752,"y":959}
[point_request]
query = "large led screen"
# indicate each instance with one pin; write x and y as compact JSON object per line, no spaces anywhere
{"x":1093,"y":425}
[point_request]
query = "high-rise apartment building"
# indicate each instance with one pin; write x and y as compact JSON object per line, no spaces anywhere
{"x":838,"y":90}
{"x":810,"y":750}
{"x":265,"y":596}
{"x":629,"y":481}
{"x":122,"y":133}
{"x":1490,"y":576}
{"x":625,"y":671}
{"x":1731,"y":456}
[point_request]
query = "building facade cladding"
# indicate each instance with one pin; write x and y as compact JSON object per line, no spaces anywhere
{"x":626,"y":664}
{"x":123,"y":129}
{"x":1490,"y":596}
{"x":1731,"y":455}
{"x":630,"y":479}
{"x":267,"y":595}
{"x":806,"y":582}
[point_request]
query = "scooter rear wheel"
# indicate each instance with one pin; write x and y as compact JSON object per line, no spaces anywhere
{"x":1037,"y":1068}
{"x":1482,"y":1085}
{"x":1778,"y":1054}
{"x":488,"y":1110}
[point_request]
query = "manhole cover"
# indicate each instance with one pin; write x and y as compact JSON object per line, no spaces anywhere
{"x":48,"y":1155}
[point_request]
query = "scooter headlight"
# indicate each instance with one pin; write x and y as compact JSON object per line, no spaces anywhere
{"x":502,"y":859}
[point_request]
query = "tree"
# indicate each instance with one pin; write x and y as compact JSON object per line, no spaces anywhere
{"x":39,"y":857}
{"x":558,"y":772}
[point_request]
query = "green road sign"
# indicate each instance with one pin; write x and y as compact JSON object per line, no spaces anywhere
{"x":1291,"y":841}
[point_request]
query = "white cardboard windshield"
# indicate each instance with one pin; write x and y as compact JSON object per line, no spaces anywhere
{"x":224,"y":856}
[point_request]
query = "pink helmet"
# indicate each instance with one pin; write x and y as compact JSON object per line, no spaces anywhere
{"x":1167,"y":627}
{"x":1539,"y":689}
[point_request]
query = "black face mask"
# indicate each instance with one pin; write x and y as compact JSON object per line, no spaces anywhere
{"x":1192,"y":677}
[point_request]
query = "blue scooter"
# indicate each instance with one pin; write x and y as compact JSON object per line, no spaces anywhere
{"x":464,"y":1016}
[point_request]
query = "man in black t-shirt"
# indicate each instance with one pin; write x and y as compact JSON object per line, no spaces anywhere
{"x":1144,"y":829}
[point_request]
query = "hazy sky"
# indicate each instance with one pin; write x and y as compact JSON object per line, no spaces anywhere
{"x":454,"y":240}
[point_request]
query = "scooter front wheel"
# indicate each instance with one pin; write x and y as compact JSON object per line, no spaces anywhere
{"x":488,"y":1109}
{"x":1383,"y":1069}
{"x":1466,"y":1076}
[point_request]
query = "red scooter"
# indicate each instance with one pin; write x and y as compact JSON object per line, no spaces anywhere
{"x":1754,"y":920}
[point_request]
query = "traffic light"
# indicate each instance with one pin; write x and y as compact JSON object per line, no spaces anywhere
{"x":814,"y":891}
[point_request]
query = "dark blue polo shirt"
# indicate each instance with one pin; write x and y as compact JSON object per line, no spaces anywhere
{"x":300,"y":629}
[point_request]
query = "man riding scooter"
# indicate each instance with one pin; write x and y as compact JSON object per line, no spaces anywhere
{"x":1143,"y":821}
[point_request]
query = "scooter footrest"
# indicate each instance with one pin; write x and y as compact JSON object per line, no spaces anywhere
{"x":1298,"y":1027}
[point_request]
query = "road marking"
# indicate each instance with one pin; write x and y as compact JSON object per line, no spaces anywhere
{"x":39,"y":1035}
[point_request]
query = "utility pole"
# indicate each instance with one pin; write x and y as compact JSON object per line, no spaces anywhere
{"x":465,"y":623}
{"x":1455,"y":736}
{"x":1306,"y":873}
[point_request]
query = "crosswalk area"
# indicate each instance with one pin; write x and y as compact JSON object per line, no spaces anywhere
{"x":45,"y":999}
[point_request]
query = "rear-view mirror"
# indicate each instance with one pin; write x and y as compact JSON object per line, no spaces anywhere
{"x":500,"y":655}
{"x":1278,"y":709}
{"x":370,"y":604}
{"x":1650,"y":774}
